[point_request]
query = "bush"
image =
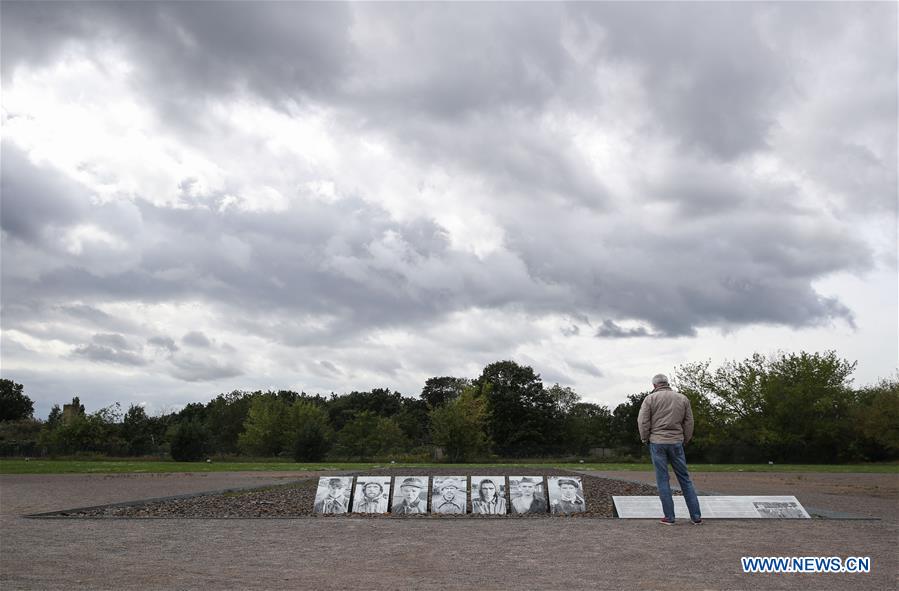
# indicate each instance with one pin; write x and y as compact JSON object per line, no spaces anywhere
{"x":19,"y":437}
{"x":368,"y":436}
{"x":311,"y":443}
{"x":310,"y":432}
{"x":265,"y":428}
{"x":189,"y":441}
{"x":459,"y":427}
{"x":97,"y":432}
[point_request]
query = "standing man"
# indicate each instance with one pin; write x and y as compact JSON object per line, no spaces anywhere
{"x":666,"y":422}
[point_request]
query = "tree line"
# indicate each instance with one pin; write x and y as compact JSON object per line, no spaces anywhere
{"x":794,"y":407}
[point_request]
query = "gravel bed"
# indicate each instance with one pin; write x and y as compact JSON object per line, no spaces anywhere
{"x":296,"y":499}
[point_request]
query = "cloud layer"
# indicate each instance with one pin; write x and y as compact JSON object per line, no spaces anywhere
{"x":314,"y":192}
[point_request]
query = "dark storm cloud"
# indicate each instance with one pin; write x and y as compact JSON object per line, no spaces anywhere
{"x":36,"y":199}
{"x":570,"y":331}
{"x":110,"y":348}
{"x":712,"y":76}
{"x":448,"y":61}
{"x":90,"y":315}
{"x":473,"y":86}
{"x":192,"y":50}
{"x":192,"y":369}
{"x":162,"y":342}
{"x":329,"y":368}
{"x":196,"y":338}
{"x":611,"y":329}
{"x":351,"y":261}
{"x":115,"y":341}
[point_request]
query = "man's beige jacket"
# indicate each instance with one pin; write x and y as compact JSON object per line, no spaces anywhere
{"x":665,"y":417}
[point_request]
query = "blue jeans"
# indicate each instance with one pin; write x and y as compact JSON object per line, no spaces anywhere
{"x":673,"y":453}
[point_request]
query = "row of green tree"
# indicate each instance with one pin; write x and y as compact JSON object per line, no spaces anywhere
{"x":798,"y":407}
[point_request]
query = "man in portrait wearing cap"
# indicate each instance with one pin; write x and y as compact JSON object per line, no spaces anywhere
{"x":570,"y":500}
{"x":411,"y":502}
{"x":449,"y":500}
{"x":336,"y":501}
{"x":372,"y":500}
{"x":665,"y":422}
{"x":526,"y":501}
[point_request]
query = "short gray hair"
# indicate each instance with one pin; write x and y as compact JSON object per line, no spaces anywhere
{"x":659,"y":379}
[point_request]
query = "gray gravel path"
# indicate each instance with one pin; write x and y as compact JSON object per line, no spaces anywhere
{"x":397,"y":554}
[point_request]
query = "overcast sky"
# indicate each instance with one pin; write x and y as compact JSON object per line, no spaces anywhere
{"x":201,"y":197}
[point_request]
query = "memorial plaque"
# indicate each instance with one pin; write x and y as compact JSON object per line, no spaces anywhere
{"x":448,"y":494}
{"x":488,"y":495}
{"x":371,"y":494}
{"x":527,"y":494}
{"x":333,"y":494}
{"x":410,"y":495}
{"x":566,"y":495}
{"x":714,"y":507}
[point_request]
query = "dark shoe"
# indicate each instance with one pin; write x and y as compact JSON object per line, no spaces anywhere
{"x":697,"y":522}
{"x":666,"y":522}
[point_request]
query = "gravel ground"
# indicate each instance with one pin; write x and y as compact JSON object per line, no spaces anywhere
{"x":126,"y":554}
{"x":296,"y":499}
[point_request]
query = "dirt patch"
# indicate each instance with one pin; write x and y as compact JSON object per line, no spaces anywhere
{"x":296,"y":499}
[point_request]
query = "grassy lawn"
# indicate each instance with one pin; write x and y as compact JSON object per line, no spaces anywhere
{"x":20,"y":466}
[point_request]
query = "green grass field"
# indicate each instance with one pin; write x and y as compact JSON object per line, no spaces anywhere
{"x":100,"y":466}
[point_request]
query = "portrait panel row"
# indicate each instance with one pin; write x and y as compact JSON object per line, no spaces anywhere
{"x":489,"y":495}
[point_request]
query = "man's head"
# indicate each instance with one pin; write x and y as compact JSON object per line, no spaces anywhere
{"x":410,"y":489}
{"x":449,"y":489}
{"x":659,"y":380}
{"x":487,"y":489}
{"x":527,"y":486}
{"x":372,"y":490}
{"x":335,"y":487}
{"x":568,"y":488}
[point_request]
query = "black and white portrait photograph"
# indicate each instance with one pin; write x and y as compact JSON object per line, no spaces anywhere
{"x":448,"y":494}
{"x":410,"y":495}
{"x":566,"y":495}
{"x":488,"y":495}
{"x":371,"y":494}
{"x":333,"y":494}
{"x":527,"y":494}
